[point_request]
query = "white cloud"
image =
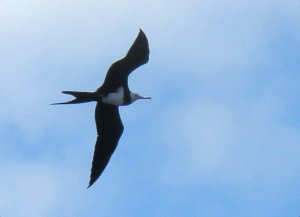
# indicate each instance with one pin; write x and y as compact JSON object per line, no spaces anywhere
{"x":234,"y":143}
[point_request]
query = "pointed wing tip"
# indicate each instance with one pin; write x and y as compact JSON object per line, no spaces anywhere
{"x":90,"y":184}
{"x":92,"y":181}
{"x":139,"y":50}
{"x":141,"y":31}
{"x":142,"y":34}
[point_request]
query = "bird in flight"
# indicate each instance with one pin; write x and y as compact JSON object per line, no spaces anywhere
{"x":113,"y":93}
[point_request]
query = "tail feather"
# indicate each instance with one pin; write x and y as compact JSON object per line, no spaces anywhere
{"x":80,"y":97}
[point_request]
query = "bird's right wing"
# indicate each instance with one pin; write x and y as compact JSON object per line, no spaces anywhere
{"x":110,"y":129}
{"x":137,"y":55}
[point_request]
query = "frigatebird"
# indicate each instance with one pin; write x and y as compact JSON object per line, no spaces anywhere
{"x":113,"y":93}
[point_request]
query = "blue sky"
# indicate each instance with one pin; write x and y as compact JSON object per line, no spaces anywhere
{"x":221,"y":136}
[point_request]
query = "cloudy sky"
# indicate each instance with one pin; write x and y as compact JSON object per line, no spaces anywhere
{"x":221,"y":136}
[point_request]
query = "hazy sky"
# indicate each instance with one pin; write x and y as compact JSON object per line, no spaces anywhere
{"x":221,"y":136}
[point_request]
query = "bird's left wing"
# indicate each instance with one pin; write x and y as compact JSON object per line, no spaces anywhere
{"x":137,"y":55}
{"x":110,"y":129}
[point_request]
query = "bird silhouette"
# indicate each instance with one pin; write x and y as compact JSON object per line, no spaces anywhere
{"x":113,"y":93}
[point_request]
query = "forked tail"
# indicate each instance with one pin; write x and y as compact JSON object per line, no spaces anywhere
{"x":80,"y":97}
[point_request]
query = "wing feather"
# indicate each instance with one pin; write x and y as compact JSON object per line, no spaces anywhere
{"x":137,"y":55}
{"x":110,"y":129}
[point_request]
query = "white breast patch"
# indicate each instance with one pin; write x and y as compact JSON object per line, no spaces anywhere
{"x":116,"y":98}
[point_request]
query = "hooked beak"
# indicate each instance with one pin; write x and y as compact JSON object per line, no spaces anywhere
{"x":145,"y":97}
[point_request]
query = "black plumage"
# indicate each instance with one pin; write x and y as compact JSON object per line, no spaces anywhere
{"x":107,"y":117}
{"x":109,"y":129}
{"x":119,"y":71}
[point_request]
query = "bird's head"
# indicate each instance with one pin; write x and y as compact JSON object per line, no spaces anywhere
{"x":135,"y":96}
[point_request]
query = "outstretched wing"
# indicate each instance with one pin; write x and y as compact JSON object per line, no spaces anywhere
{"x":110,"y":129}
{"x":137,"y":55}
